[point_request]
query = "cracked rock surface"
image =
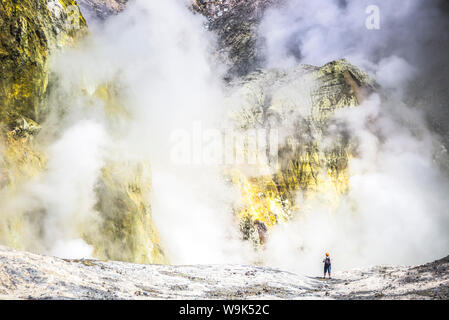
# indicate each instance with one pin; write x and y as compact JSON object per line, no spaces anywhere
{"x":29,"y":276}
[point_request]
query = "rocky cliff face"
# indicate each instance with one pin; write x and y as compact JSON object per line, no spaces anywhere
{"x":299,"y":105}
{"x":103,"y":8}
{"x":236,"y":22}
{"x":31,"y":31}
{"x":276,"y":100}
{"x":125,"y":230}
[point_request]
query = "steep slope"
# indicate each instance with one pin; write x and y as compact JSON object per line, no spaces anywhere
{"x":31,"y":32}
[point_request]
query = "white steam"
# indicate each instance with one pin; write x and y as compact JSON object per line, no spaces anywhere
{"x":396,"y":209}
{"x":160,"y":60}
{"x":394,"y":213}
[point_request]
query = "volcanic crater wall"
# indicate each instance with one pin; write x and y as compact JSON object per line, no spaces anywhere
{"x":124,"y":229}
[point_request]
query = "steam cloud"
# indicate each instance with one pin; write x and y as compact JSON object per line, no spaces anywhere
{"x":160,"y":59}
{"x":396,"y":210}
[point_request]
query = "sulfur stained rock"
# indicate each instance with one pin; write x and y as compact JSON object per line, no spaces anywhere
{"x":236,"y":22}
{"x":127,"y":231}
{"x":298,"y":104}
{"x":29,"y":30}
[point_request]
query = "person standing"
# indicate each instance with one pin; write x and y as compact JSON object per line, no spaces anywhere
{"x":327,"y":266}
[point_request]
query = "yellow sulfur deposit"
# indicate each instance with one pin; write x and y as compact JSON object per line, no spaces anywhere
{"x":30,"y":31}
{"x":298,"y":103}
{"x":127,"y":231}
{"x":305,"y":168}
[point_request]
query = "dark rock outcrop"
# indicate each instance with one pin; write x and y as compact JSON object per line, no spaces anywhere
{"x":103,"y":8}
{"x":236,"y":23}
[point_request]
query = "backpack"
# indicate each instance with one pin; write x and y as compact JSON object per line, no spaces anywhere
{"x":327,"y":261}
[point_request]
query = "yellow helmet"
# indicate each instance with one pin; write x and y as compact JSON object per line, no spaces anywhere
{"x":327,"y":253}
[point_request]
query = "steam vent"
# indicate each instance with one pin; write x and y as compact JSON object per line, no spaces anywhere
{"x":91,"y":92}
